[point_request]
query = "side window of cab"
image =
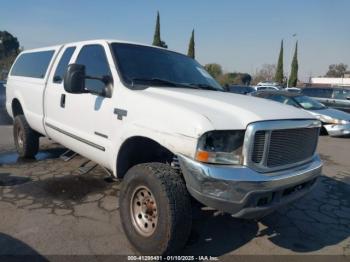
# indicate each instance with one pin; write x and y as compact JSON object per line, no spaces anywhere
{"x":94,"y":58}
{"x":63,"y":64}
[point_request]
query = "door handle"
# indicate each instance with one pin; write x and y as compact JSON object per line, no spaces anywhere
{"x":63,"y":100}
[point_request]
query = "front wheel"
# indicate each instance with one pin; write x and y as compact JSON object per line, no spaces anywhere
{"x":26,"y":139}
{"x":155,"y":209}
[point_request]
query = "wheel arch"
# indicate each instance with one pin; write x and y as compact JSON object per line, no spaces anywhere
{"x":16,"y":107}
{"x":139,"y":149}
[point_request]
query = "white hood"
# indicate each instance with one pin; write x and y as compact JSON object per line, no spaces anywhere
{"x":226,"y":110}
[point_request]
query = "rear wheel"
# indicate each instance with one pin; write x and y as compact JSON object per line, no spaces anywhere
{"x":155,"y":209}
{"x":26,"y":139}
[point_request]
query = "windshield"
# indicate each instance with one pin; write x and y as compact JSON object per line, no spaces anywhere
{"x":283,"y":99}
{"x":158,"y":67}
{"x":309,"y":103}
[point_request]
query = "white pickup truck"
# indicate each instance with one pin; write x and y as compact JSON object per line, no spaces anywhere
{"x":158,"y":120}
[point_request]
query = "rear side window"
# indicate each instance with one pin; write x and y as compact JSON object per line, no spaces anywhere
{"x":63,"y":64}
{"x":32,"y":64}
{"x":96,"y":65}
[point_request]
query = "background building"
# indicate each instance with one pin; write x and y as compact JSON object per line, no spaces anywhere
{"x":330,"y":81}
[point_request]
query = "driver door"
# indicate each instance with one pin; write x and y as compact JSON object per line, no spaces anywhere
{"x":81,"y":121}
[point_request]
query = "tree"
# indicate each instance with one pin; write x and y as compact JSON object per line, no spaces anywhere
{"x":227,"y":79}
{"x":234,"y":79}
{"x":279,"y":71}
{"x":215,"y":70}
{"x":336,"y":70}
{"x":157,"y":41}
{"x":191,"y":50}
{"x":293,"y":79}
{"x":9,"y":49}
{"x":8,"y":44}
{"x":265,"y":73}
{"x":246,"y":79}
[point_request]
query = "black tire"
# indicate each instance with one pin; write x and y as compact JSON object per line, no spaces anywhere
{"x":323,"y":131}
{"x":26,"y":139}
{"x":173,"y":203}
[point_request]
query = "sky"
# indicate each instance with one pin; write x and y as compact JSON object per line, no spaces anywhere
{"x":240,"y":35}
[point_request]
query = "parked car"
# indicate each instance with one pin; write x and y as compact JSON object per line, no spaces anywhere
{"x":156,"y":119}
{"x":266,"y":88}
{"x":267,"y":85}
{"x":335,"y":97}
{"x":293,"y":89}
{"x":334,"y":122}
{"x":243,"y":90}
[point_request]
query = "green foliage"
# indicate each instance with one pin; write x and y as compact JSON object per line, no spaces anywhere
{"x":279,"y":71}
{"x":234,"y":79}
{"x":293,"y":79}
{"x":215,"y":70}
{"x":227,"y":79}
{"x":246,"y":79}
{"x":336,"y":70}
{"x":156,"y":38}
{"x":6,"y":62}
{"x":8,"y":44}
{"x":9,"y":49}
{"x":191,"y":49}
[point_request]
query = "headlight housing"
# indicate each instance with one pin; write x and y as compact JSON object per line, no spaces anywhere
{"x":331,"y":120}
{"x":221,"y":147}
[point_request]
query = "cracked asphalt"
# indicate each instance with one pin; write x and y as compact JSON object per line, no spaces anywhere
{"x":48,"y":208}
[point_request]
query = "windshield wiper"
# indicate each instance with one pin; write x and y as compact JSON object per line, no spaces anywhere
{"x":161,"y":82}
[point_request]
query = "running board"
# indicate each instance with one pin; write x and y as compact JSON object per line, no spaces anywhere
{"x":85,"y":168}
{"x":109,"y":173}
{"x":68,"y":155}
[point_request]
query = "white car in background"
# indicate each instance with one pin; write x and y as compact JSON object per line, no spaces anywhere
{"x":266,"y":86}
{"x":334,"y":122}
{"x":293,"y":89}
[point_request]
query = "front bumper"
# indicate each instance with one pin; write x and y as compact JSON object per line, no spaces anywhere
{"x":337,"y":130}
{"x":243,"y":192}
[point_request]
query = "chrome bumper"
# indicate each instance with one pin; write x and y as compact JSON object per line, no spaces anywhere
{"x":243,"y":192}
{"x":337,"y":130}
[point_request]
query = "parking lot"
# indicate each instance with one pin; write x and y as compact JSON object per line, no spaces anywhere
{"x":48,"y":208}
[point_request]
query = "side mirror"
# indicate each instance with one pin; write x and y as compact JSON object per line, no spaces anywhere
{"x":74,"y":79}
{"x":106,"y":91}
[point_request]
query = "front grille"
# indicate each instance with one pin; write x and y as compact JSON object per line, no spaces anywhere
{"x":259,"y":144}
{"x":291,"y":146}
{"x":282,"y":147}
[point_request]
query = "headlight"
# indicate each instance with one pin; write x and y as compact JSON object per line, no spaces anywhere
{"x":221,"y":147}
{"x":330,"y":120}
